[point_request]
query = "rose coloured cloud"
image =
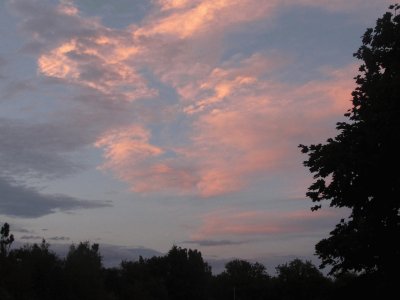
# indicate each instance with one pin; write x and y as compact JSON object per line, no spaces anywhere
{"x":232,"y":223}
{"x":240,"y":120}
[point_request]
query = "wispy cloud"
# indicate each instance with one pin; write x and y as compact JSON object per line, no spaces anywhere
{"x":188,"y":18}
{"x":210,"y":243}
{"x":58,"y":238}
{"x":234,"y":223}
{"x":31,"y":237}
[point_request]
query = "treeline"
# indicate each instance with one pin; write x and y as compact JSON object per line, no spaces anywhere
{"x":35,"y":272}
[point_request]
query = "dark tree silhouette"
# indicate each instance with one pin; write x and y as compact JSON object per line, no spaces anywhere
{"x":83,"y":272}
{"x":360,"y":167}
{"x":36,"y":273}
{"x":6,"y":239}
{"x":142,"y":279}
{"x":301,"y":280}
{"x":187,"y":274}
{"x":242,"y":280}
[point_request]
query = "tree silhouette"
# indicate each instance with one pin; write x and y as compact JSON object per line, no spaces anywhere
{"x":360,"y":167}
{"x":301,"y":280}
{"x":6,"y":239}
{"x":242,"y":280}
{"x":187,"y":274}
{"x":36,"y":273}
{"x":83,"y":272}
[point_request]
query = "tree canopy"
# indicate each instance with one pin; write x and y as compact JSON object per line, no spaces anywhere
{"x":360,"y":167}
{"x":34,"y":272}
{"x":6,"y":239}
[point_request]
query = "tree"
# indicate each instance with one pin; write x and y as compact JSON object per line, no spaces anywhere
{"x":187,"y":274}
{"x":142,"y":279}
{"x":242,"y":279}
{"x":301,"y":280}
{"x":84,"y":272}
{"x":35,"y":273}
{"x":360,"y":168}
{"x":6,"y":239}
{"x":180,"y":274}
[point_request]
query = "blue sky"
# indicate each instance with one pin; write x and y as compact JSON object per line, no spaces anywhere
{"x":143,"y":124}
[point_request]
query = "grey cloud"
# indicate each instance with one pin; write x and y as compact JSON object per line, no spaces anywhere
{"x":39,"y":149}
{"x":27,"y":202}
{"x":117,"y":13}
{"x":49,"y":26}
{"x":58,"y":238}
{"x":16,"y":87}
{"x":31,"y":237}
{"x":22,"y":230}
{"x":3,"y":62}
{"x":215,"y":242}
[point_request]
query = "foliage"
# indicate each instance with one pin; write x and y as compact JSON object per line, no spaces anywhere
{"x":180,"y":274}
{"x":34,"y":272}
{"x":83,"y":272}
{"x":242,"y":279}
{"x":188,"y":274}
{"x":6,"y":239}
{"x":301,"y":280}
{"x":359,"y":168}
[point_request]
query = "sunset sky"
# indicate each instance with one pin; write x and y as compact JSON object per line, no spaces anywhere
{"x":139,"y":124}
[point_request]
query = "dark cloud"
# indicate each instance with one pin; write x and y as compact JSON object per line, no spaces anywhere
{"x":27,"y":202}
{"x":58,"y":238}
{"x":120,"y":13}
{"x":31,"y":237}
{"x":39,"y":149}
{"x":3,"y":62}
{"x":48,"y":24}
{"x":214,"y":242}
{"x":16,"y":87}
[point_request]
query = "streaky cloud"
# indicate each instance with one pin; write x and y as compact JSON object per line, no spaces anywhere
{"x":207,"y":243}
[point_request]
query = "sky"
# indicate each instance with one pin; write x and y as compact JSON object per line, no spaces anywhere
{"x":142,"y":124}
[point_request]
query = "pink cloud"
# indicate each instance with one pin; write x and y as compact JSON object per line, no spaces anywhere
{"x":98,"y":62}
{"x":95,"y":57}
{"x":130,"y":155}
{"x":241,"y":121}
{"x":250,"y":130}
{"x":232,"y":223}
{"x":254,"y":128}
{"x":188,"y":18}
{"x":67,"y":7}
